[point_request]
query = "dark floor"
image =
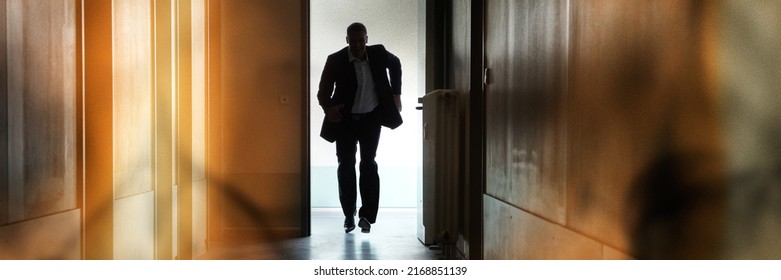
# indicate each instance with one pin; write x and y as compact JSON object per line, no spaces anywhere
{"x":393,"y":237}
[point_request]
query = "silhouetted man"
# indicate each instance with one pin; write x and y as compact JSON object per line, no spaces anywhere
{"x":358,"y":98}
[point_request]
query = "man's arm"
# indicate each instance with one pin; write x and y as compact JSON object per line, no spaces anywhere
{"x":397,"y":99}
{"x":326,"y":89}
{"x":326,"y":86}
{"x":394,"y":70}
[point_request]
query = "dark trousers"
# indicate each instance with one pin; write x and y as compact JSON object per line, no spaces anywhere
{"x":359,"y":131}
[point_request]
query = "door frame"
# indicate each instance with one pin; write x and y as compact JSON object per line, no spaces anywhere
{"x":476,"y":126}
{"x":429,"y":80}
{"x":306,"y":172}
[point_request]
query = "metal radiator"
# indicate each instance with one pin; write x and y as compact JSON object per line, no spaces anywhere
{"x":439,"y":199}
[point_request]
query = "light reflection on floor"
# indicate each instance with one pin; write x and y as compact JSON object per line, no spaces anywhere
{"x":393,"y":237}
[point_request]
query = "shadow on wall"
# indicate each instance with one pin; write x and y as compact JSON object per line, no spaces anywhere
{"x":677,"y":218}
{"x":272,"y":242}
{"x":257,"y":216}
{"x":690,"y":213}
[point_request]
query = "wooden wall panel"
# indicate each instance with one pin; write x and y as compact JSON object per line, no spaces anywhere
{"x":214,"y":120}
{"x":599,"y":119}
{"x":199,"y":218}
{"x":133,"y":130}
{"x":516,"y":234}
{"x":459,"y":47}
{"x":133,"y":92}
{"x":458,"y":77}
{"x":98,"y":203}
{"x":526,"y":52}
{"x":164,"y":145}
{"x":41,"y":107}
{"x":261,"y":62}
{"x":183,"y":125}
{"x":199,"y":164}
{"x":134,"y":235}
{"x":261,"y":138}
{"x":498,"y":32}
{"x":199,"y":89}
{"x":34,"y":239}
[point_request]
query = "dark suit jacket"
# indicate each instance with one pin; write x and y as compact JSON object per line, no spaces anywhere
{"x":339,"y":83}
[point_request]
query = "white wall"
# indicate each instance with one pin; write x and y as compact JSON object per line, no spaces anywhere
{"x":395,"y":25}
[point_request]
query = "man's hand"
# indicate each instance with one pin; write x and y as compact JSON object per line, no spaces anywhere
{"x":333,"y":114}
{"x":397,"y":98}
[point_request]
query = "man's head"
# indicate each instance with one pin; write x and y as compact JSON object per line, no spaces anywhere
{"x":357,"y":39}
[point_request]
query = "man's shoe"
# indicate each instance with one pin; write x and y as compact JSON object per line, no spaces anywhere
{"x":364,"y":224}
{"x":349,"y":224}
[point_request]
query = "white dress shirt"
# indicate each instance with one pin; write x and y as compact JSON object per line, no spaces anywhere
{"x":365,"y":95}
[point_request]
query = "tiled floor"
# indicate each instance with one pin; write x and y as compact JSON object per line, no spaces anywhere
{"x":393,"y":237}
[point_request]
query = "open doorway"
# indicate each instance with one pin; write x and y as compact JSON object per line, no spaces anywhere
{"x":400,"y":26}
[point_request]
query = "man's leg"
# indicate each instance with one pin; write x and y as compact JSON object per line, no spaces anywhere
{"x":345,"y":153}
{"x":369,"y":137}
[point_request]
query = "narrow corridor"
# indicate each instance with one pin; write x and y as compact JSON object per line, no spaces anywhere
{"x":148,"y":130}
